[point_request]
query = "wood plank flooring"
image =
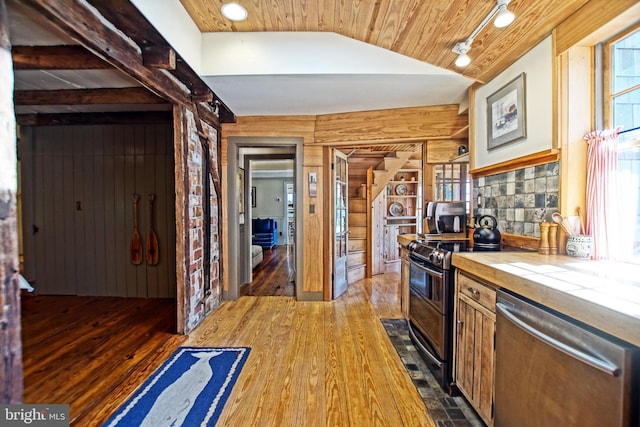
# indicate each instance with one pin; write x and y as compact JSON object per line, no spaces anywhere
{"x":274,"y":276}
{"x":311,"y":363}
{"x":77,"y":349}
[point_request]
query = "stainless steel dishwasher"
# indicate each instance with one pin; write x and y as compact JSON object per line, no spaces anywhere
{"x":551,"y":371}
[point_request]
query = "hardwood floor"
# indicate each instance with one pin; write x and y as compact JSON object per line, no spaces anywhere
{"x":76,"y":350}
{"x":311,"y":363}
{"x":274,"y":276}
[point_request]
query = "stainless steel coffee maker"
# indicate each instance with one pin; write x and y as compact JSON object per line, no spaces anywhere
{"x":445,"y":218}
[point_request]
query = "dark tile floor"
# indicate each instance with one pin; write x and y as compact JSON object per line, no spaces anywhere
{"x":445,"y":410}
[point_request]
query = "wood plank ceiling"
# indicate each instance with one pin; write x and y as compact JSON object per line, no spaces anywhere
{"x":58,"y":74}
{"x":425,"y":30}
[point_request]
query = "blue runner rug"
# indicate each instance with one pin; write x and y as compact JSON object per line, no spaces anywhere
{"x":189,"y":389}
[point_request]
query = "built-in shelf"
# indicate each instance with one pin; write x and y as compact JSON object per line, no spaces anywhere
{"x":410,"y":181}
{"x":462,"y":158}
{"x":461,"y":133}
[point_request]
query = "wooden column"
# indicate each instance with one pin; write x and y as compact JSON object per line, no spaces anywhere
{"x":10,"y":343}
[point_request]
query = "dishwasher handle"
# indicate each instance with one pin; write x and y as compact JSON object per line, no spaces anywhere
{"x":602,"y":365}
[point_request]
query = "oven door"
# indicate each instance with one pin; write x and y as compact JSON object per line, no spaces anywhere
{"x":428,"y":310}
{"x":430,"y":284}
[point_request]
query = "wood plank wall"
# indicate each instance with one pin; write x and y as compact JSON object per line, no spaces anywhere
{"x":274,"y":126}
{"x":361,"y":128}
{"x":78,"y":183}
{"x":402,"y":124}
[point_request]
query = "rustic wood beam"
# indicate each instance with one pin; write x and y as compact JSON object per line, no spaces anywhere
{"x":162,"y":57}
{"x":84,"y":23}
{"x":126,"y":17}
{"x":205,"y":112}
{"x":10,"y":341}
{"x":56,"y":58}
{"x":125,"y":95}
{"x":114,"y":118}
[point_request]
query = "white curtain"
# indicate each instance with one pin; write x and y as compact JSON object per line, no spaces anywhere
{"x":602,"y":201}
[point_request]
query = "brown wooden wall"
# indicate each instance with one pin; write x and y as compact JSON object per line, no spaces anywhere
{"x":403,"y":124}
{"x":363,"y":128}
{"x":77,"y":188}
{"x":280,"y":126}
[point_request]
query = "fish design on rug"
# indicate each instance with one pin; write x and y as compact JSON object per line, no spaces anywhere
{"x":176,"y":401}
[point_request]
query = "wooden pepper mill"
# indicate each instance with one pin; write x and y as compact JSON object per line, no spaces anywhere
{"x":553,"y":238}
{"x":544,"y":238}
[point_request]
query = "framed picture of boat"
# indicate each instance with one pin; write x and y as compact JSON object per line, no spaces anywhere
{"x":506,"y":119}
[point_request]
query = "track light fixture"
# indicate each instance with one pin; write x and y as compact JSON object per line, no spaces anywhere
{"x":461,"y":49}
{"x":503,"y":16}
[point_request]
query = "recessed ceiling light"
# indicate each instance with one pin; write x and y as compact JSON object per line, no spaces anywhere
{"x":234,"y":11}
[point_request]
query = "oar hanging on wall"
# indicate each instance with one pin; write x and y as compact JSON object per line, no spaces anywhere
{"x":152,"y":239}
{"x":136,"y":240}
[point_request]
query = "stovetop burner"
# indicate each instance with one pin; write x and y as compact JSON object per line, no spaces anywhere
{"x":437,"y":253}
{"x":434,"y":253}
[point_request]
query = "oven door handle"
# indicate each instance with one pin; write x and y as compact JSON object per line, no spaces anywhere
{"x":438,"y":274}
{"x":425,"y":350}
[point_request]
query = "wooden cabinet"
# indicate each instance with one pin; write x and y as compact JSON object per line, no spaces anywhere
{"x":474,"y":348}
{"x":404,"y":201}
{"x":402,"y":213}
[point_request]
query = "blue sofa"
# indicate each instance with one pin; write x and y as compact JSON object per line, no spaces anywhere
{"x":264,"y":232}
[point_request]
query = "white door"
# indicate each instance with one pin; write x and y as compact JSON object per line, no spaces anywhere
{"x":341,"y":226}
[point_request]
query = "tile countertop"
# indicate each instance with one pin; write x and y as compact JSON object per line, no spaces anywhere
{"x":604,"y":295}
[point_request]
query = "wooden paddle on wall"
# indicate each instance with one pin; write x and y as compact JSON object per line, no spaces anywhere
{"x":136,"y":240}
{"x":152,"y":239}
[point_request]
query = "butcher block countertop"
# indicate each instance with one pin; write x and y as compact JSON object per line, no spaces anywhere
{"x":604,"y":295}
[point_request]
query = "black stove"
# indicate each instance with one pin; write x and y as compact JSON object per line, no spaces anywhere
{"x":437,"y":253}
{"x":431,"y":295}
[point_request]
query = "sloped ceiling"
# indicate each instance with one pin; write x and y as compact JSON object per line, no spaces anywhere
{"x":295,"y":57}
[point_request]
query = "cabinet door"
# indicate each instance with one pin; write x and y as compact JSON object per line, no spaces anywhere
{"x":391,"y":243}
{"x":475,"y":355}
{"x":465,"y":348}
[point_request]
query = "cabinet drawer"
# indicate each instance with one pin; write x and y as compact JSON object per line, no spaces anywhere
{"x":484,"y":295}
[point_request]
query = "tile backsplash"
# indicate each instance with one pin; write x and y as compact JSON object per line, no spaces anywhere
{"x":520,"y":200}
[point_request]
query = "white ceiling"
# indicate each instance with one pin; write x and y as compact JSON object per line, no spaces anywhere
{"x":302,"y":73}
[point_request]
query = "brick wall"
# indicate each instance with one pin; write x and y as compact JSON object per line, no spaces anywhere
{"x":198,"y":301}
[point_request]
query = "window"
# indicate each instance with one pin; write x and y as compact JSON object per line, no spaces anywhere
{"x":622,"y":108}
{"x":451,"y":183}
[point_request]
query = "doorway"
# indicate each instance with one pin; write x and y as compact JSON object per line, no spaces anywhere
{"x":271,"y":204}
{"x":239,"y":224}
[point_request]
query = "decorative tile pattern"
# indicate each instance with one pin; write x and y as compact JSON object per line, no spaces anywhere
{"x":446,"y":411}
{"x":520,"y":200}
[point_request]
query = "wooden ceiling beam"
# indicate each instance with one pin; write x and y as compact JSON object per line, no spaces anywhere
{"x":128,"y":95}
{"x":83,"y":22}
{"x":128,"y":117}
{"x":56,"y":58}
{"x":128,"y":19}
{"x":162,"y":57}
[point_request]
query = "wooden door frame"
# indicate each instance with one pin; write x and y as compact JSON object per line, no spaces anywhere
{"x":334,"y":154}
{"x":232,"y":248}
